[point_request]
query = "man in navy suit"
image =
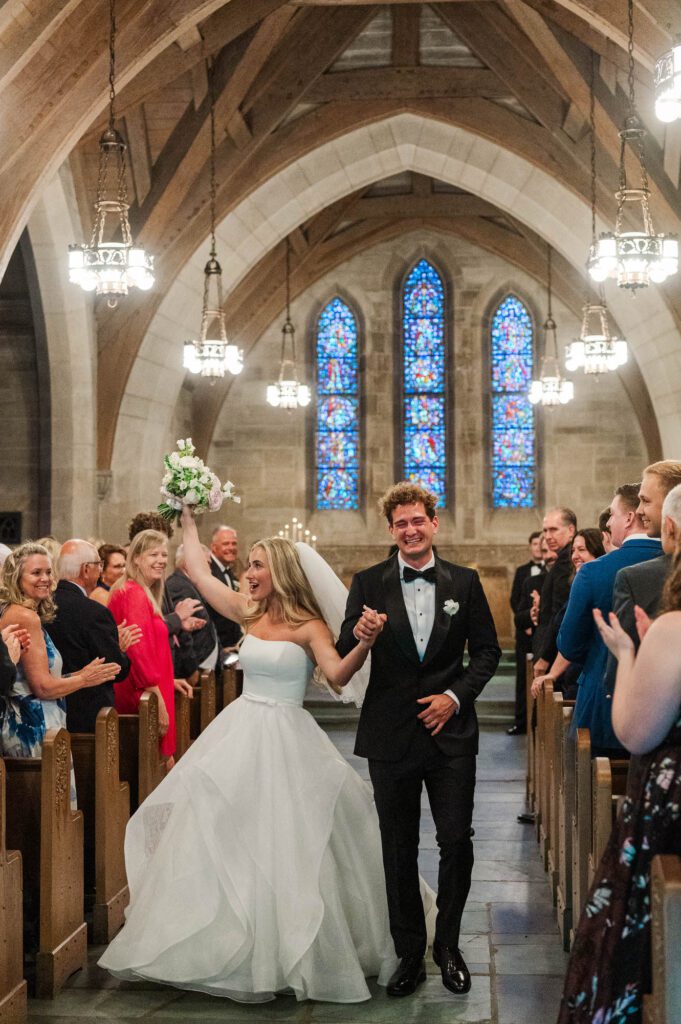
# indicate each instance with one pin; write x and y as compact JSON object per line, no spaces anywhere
{"x":578,"y":640}
{"x":418,"y":724}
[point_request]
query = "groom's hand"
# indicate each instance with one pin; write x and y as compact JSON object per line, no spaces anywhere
{"x":438,"y":711}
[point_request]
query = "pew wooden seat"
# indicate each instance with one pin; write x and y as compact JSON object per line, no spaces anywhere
{"x":142,"y":766}
{"x":183,"y":712}
{"x":202,"y":705}
{"x":232,"y":684}
{"x":544,"y":763}
{"x":41,"y":824}
{"x":566,"y":810}
{"x":105,"y":803}
{"x":663,"y":1006}
{"x":608,"y":783}
{"x":13,"y":999}
{"x":556,"y":835}
{"x":581,"y":825}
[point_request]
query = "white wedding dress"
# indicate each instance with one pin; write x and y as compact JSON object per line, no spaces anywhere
{"x":255,"y":866}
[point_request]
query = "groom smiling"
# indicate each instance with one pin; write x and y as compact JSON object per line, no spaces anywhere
{"x":418,"y":724}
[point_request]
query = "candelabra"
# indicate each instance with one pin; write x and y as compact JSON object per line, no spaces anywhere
{"x":295,"y":530}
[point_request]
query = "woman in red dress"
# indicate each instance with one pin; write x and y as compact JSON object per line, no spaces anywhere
{"x":137,"y":599}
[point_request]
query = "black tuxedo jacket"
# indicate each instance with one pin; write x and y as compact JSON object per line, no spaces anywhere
{"x":81,"y":631}
{"x":194,"y":647}
{"x":229,"y":633}
{"x":388,"y":724}
{"x":521,"y":574}
{"x":554,"y":594}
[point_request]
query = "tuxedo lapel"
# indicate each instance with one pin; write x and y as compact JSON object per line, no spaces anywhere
{"x":398,"y":620}
{"x":441,"y":621}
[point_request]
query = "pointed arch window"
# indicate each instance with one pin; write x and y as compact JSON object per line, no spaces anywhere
{"x":513,"y":441}
{"x":338,"y":412}
{"x":424,"y":405}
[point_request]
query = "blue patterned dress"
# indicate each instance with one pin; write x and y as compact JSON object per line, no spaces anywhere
{"x":609,"y":969}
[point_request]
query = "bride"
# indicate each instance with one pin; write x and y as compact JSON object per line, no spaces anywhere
{"x":255,"y":866}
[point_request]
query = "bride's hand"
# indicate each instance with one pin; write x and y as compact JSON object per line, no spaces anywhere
{"x":613,"y":636}
{"x":369,"y":626}
{"x":187,"y":517}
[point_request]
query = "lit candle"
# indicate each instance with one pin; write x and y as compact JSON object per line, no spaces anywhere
{"x":314,"y":542}
{"x":286,"y":529}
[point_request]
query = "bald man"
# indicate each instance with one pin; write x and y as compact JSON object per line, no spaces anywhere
{"x":83,"y":630}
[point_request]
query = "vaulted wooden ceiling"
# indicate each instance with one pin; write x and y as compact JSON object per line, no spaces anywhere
{"x":290,"y":76}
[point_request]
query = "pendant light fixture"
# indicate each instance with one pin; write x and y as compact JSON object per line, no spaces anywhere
{"x":596,"y":351}
{"x":288,"y":392}
{"x":211,"y":355}
{"x":551,"y":388}
{"x":111,"y":266}
{"x":636,"y":258}
{"x":668,"y":84}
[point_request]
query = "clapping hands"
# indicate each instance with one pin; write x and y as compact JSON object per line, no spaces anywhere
{"x":16,"y":640}
{"x":369,"y":626}
{"x":614,"y":637}
{"x":128,"y":636}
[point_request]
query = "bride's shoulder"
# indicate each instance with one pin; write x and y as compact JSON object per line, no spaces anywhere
{"x":313,"y":629}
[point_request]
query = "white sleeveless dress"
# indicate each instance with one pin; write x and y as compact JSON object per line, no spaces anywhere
{"x":255,"y":866}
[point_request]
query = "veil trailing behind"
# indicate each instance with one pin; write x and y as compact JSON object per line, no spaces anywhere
{"x":332,"y":595}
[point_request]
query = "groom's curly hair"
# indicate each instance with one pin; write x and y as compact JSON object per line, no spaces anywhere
{"x":406,"y":493}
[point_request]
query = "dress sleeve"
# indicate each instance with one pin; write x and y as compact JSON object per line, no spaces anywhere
{"x":134,"y":606}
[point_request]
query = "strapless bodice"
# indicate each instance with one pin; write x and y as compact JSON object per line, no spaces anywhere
{"x":275,"y":671}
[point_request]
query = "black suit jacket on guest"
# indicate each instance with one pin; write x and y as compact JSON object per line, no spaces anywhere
{"x":522,"y":573}
{"x":388,"y":723}
{"x":554,"y":594}
{"x":83,"y":630}
{"x":194,"y":647}
{"x":229,"y":633}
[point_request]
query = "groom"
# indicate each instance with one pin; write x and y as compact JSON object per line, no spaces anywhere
{"x":418,"y":724}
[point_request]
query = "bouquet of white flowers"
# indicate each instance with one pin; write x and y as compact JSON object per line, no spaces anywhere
{"x":188,"y":481}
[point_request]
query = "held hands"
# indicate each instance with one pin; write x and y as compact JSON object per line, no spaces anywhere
{"x":613,"y":636}
{"x":438,"y":711}
{"x":369,"y":626}
{"x":17,"y":640}
{"x":99,"y":671}
{"x":128,"y":636}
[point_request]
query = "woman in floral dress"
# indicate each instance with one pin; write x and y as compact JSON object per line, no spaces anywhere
{"x":609,"y":969}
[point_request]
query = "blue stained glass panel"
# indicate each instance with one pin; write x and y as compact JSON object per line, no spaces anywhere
{"x":337,"y":434}
{"x":513,"y":426}
{"x":424,"y":441}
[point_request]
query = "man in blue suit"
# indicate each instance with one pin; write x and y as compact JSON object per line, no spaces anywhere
{"x":579,"y":640}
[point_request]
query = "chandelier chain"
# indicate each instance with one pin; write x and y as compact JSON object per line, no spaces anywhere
{"x":630,"y":52}
{"x":548,"y":281}
{"x":592,"y":140}
{"x":112,"y":64}
{"x":213,"y":177}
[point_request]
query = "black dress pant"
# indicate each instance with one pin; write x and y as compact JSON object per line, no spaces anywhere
{"x":450,"y":784}
{"x":523,"y":646}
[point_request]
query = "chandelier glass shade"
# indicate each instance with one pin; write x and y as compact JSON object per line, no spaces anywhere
{"x":668,"y":84}
{"x":288,"y":391}
{"x":551,"y":388}
{"x":596,"y":351}
{"x":111,"y":264}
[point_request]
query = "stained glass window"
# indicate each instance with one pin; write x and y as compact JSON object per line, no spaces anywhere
{"x":337,"y":436}
{"x":423,"y":389}
{"x":513,"y":438}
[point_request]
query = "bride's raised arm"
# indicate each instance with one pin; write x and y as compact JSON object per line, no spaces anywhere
{"x":221,"y":597}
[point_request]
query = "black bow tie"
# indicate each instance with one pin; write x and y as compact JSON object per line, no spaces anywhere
{"x":409,"y":574}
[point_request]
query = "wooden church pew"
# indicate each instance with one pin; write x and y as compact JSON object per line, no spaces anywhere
{"x":13,"y":1004}
{"x":182,"y":723}
{"x":545,"y":730}
{"x":581,"y":825}
{"x":202,"y":709}
{"x":232,"y":684}
{"x":663,"y":1006}
{"x":41,"y":824}
{"x":141,"y":764}
{"x":566,"y":810}
{"x":530,"y":776}
{"x":608,"y":782}
{"x":556,"y":769}
{"x":105,"y":803}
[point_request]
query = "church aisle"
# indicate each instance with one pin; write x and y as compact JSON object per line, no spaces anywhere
{"x":510,"y":939}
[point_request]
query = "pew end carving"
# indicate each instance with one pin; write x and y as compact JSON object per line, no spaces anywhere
{"x":13,"y":989}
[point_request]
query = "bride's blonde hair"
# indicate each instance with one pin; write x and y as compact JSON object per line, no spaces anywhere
{"x":289,"y":583}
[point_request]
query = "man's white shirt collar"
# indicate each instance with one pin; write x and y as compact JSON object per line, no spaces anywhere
{"x":403,"y":565}
{"x":638,"y":536}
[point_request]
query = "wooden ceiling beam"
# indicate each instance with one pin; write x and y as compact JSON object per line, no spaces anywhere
{"x":406,"y":38}
{"x":407,"y":82}
{"x":437,"y":204}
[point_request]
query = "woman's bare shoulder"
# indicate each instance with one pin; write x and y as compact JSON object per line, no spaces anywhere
{"x":314,"y":629}
{"x":18,"y":613}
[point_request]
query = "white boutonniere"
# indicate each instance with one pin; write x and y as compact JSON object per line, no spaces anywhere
{"x":451,"y":607}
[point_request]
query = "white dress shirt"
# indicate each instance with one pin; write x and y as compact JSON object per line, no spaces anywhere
{"x":226,"y":573}
{"x":419,"y":602}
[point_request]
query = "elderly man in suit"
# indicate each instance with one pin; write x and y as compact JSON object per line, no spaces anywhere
{"x":224,"y":550}
{"x":200,"y":649}
{"x":83,"y":630}
{"x":418,"y":724}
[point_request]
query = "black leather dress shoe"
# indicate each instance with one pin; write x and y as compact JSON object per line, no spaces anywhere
{"x":515,"y":730}
{"x":526,"y":818}
{"x":410,"y":974}
{"x":455,"y":975}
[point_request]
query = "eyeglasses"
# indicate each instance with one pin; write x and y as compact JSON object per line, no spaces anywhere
{"x":99,"y":562}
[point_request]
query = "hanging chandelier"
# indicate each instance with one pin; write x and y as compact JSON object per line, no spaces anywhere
{"x":288,"y":392}
{"x":211,"y":355}
{"x":596,"y":351}
{"x":551,"y":388}
{"x":668,"y":84}
{"x":111,"y":267}
{"x":636,"y":258}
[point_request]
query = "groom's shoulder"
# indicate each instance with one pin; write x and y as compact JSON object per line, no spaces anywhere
{"x":376,"y":571}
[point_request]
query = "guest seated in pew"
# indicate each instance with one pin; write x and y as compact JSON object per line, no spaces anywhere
{"x":136,"y":598}
{"x":83,"y":629}
{"x":197,"y":649}
{"x":36,"y":701}
{"x":609,"y":969}
{"x":112,"y":558}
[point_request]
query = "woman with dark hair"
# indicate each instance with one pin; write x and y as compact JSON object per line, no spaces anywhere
{"x":113,"y":567}
{"x":609,"y":969}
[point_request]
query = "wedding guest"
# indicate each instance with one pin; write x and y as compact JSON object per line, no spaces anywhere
{"x":113,"y":566}
{"x":606,"y":536}
{"x":224,"y":551}
{"x":610,"y":964}
{"x":36,"y":700}
{"x":197,"y":650}
{"x":560,"y":525}
{"x":523,"y":642}
{"x":136,"y":598}
{"x":82,"y":630}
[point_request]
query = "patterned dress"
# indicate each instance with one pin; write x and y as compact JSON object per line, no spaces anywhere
{"x":609,"y":969}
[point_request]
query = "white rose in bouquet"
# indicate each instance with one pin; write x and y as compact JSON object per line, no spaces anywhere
{"x":187,"y":481}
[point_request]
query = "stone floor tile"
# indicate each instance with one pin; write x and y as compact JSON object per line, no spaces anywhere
{"x":531,"y":958}
{"x":527,"y":999}
{"x":538,"y":918}
{"x":526,"y":893}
